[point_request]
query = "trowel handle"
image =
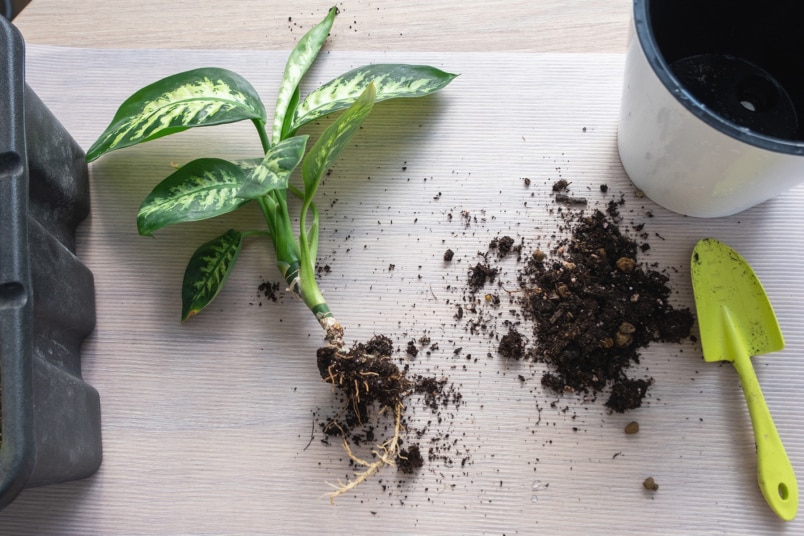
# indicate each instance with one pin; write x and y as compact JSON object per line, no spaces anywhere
{"x":774,"y":470}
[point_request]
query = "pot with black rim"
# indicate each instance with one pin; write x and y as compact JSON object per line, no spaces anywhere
{"x":712,"y":115}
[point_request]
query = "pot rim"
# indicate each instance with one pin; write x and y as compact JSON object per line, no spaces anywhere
{"x":650,"y":48}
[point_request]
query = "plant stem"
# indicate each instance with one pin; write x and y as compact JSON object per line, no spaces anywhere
{"x":288,"y":258}
{"x":260,"y":126}
{"x":296,"y":260}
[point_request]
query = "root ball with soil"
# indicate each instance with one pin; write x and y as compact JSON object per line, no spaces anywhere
{"x":368,"y":379}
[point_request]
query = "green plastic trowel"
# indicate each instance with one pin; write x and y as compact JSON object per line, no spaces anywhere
{"x":737,"y":321}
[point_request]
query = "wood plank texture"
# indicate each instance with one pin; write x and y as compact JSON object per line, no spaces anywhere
{"x":513,"y":25}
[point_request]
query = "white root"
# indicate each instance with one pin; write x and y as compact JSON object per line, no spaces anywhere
{"x":386,"y":455}
{"x":333,"y":331}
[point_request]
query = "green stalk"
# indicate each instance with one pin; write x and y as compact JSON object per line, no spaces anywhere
{"x":296,"y":260}
{"x":310,"y":292}
{"x":266,"y":143}
{"x":288,"y":258}
{"x":274,"y":208}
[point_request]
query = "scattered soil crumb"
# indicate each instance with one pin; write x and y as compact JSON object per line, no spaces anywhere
{"x":632,"y":428}
{"x":512,"y":345}
{"x":480,"y":274}
{"x":570,"y":200}
{"x":269,"y":289}
{"x":504,"y":245}
{"x":410,"y":459}
{"x":627,"y":394}
{"x":560,"y":185}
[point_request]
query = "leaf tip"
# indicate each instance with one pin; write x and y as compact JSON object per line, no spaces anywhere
{"x":187,"y":315}
{"x":92,"y":154}
{"x":143,"y":229}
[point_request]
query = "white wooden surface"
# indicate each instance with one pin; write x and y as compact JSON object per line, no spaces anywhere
{"x":206,"y":425}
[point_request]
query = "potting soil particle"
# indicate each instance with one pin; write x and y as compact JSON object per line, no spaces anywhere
{"x":592,"y":306}
{"x":410,"y":460}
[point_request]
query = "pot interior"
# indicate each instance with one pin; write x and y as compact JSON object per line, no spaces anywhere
{"x":739,"y":58}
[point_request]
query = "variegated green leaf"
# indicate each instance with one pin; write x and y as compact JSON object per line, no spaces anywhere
{"x":391,"y":81}
{"x":275,"y":169}
{"x":199,"y":190}
{"x":208,"y":270}
{"x":201,"y":97}
{"x":333,"y":140}
{"x":248,"y":165}
{"x":300,"y":60}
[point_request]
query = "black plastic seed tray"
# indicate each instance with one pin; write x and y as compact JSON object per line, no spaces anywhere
{"x":50,"y":416}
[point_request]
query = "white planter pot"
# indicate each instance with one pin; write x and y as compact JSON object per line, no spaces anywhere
{"x":709,"y":123}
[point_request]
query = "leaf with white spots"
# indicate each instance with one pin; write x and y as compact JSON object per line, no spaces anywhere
{"x":300,"y":60}
{"x":201,"y":97}
{"x":199,"y":190}
{"x":275,"y":169}
{"x":208,"y":270}
{"x":391,"y":81}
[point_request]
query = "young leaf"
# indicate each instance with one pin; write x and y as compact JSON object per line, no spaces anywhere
{"x":208,"y":270}
{"x":333,"y":140}
{"x":199,"y":190}
{"x":290,"y":112}
{"x":391,"y":81}
{"x":300,"y":60}
{"x":275,"y":169}
{"x":201,"y":97}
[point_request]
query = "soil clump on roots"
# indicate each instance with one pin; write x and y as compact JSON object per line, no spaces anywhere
{"x":365,"y":375}
{"x":370,"y":381}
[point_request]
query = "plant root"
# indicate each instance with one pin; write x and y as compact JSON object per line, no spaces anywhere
{"x":365,"y":375}
{"x":333,"y":331}
{"x":368,"y":379}
{"x":386,"y":454}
